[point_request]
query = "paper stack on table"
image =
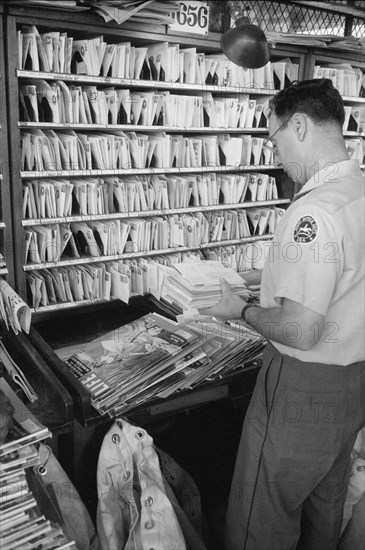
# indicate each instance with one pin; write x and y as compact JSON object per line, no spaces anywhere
{"x":118,"y":365}
{"x":153,"y":358}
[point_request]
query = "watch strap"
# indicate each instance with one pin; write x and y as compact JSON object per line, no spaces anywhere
{"x":244,"y":310}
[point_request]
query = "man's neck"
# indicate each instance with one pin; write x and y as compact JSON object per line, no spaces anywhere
{"x":325,"y":159}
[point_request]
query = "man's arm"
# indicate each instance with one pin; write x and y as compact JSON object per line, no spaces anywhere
{"x":291,"y":324}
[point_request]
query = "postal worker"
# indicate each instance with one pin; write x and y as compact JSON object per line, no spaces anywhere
{"x":291,"y":473}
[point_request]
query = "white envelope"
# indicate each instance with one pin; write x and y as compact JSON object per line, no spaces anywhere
{"x":257,"y":144}
{"x":75,"y":281}
{"x":243,"y":227}
{"x":120,"y":286}
{"x":252,"y":187}
{"x":29,"y":94}
{"x":262,"y":186}
{"x":246,"y":150}
{"x":87,"y":237}
{"x":250,"y":113}
{"x":50,"y":289}
{"x":108,"y":59}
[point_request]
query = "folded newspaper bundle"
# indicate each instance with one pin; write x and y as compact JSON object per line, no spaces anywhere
{"x":15,"y":315}
{"x":13,"y":310}
{"x":141,"y":11}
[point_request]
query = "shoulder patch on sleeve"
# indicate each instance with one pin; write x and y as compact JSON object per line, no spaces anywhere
{"x":306,"y":230}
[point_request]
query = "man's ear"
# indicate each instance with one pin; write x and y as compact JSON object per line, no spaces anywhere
{"x":299,"y":123}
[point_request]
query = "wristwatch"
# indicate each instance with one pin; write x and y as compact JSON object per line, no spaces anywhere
{"x":244,"y":309}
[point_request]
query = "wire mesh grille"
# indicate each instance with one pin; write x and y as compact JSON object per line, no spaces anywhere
{"x":358,"y":28}
{"x":219,"y":11}
{"x":283,"y":17}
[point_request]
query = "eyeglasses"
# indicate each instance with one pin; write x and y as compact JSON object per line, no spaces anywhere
{"x":268,"y":143}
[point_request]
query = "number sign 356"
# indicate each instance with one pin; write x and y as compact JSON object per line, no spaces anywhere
{"x":192,"y":17}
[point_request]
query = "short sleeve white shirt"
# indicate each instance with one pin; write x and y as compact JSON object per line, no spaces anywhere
{"x":316,"y":258}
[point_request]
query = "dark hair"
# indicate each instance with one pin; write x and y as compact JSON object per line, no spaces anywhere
{"x":317,"y":98}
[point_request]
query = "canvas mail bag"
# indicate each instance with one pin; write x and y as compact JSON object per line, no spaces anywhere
{"x":134,"y":511}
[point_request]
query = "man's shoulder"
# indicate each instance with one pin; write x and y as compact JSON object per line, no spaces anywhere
{"x":335,"y":196}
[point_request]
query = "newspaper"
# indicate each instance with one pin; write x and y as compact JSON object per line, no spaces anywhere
{"x":142,"y":11}
{"x":13,"y":310}
{"x":117,"y":12}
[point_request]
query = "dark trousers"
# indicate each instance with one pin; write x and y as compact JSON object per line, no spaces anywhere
{"x":291,"y":474}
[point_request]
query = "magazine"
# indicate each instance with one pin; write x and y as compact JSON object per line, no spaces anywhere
{"x":18,"y":459}
{"x":127,"y":357}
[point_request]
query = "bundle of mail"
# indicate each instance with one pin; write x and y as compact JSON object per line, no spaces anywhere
{"x":223,"y":352}
{"x":353,"y":43}
{"x":153,"y":358}
{"x":191,"y":286}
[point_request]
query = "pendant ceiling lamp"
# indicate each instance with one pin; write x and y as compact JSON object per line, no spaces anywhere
{"x":245,"y":44}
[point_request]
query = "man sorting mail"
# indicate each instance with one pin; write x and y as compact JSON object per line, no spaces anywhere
{"x":291,"y":472}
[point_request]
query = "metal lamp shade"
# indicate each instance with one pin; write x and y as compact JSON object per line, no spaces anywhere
{"x":246,"y":46}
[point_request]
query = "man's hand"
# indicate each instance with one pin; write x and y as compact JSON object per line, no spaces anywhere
{"x":228,"y":307}
{"x":252,"y":277}
{"x":6,"y":416}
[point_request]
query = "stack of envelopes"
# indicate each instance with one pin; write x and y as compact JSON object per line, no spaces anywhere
{"x":197,"y":284}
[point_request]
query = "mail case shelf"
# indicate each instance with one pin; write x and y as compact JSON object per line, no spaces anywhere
{"x":85,"y":24}
{"x":139,"y":128}
{"x":79,"y":25}
{"x":147,"y":213}
{"x":141,"y":83}
{"x":144,"y":253}
{"x":160,"y":85}
{"x":144,"y":171}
